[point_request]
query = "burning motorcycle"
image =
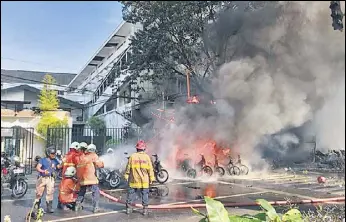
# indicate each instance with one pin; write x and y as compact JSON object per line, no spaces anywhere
{"x":220,"y":170}
{"x":161,"y":174}
{"x":202,"y":166}
{"x":13,"y":172}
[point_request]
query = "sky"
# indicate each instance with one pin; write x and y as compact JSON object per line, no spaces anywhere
{"x":54,"y":36}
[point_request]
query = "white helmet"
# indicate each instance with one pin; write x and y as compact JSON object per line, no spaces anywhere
{"x":70,"y":171}
{"x":91,"y":148}
{"x":82,"y":145}
{"x":74,"y":145}
{"x":58,"y":152}
{"x":110,"y":151}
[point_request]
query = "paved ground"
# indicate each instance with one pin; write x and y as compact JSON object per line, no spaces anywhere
{"x":274,"y":186}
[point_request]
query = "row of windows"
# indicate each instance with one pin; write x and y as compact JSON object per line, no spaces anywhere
{"x":110,"y":78}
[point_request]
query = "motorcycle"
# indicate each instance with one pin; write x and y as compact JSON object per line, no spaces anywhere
{"x":202,"y":166}
{"x":161,"y":174}
{"x":13,"y":172}
{"x":109,"y":177}
{"x":220,"y":170}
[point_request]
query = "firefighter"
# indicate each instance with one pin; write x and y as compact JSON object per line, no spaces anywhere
{"x":86,"y":175}
{"x":46,"y":168}
{"x":68,"y":189}
{"x":68,"y":161}
{"x":139,"y":174}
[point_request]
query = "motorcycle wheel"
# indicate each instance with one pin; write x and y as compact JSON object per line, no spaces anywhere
{"x":191,"y":173}
{"x":114,"y":181}
{"x":19,"y":189}
{"x":163,"y":191}
{"x":244,"y":170}
{"x":162,"y":176}
{"x":220,"y":171}
{"x":207,"y":170}
{"x":233,"y":170}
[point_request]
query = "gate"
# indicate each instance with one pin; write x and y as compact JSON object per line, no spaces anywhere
{"x":106,"y":138}
{"x":19,"y":141}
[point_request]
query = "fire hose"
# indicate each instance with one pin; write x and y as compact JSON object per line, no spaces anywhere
{"x":243,"y":204}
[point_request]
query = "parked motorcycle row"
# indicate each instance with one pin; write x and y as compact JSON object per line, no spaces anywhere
{"x":202,"y":168}
{"x":13,"y":173}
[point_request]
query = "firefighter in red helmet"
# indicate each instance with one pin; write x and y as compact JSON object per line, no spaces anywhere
{"x":140,"y":174}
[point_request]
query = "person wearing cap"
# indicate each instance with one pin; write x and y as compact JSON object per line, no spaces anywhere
{"x":86,"y":175}
{"x":46,"y":168}
{"x":68,"y":189}
{"x":139,"y":174}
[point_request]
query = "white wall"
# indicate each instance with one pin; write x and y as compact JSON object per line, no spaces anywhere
{"x":13,"y":94}
{"x":113,"y":120}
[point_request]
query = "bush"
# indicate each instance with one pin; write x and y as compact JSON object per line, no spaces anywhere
{"x":216,"y":212}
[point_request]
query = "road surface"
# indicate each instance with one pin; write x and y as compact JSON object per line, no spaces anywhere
{"x":272,"y":187}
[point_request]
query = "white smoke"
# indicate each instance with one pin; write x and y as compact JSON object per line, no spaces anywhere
{"x":286,"y":57}
{"x":329,"y":122}
{"x":118,"y":159}
{"x":284,"y":70}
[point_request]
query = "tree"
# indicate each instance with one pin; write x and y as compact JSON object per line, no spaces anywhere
{"x":97,"y":125}
{"x":48,"y":98}
{"x":179,"y":36}
{"x":48,"y":103}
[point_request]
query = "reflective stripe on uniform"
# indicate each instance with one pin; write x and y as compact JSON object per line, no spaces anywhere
{"x":88,"y":182}
{"x":139,"y":185}
{"x":69,"y":164}
{"x":139,"y":166}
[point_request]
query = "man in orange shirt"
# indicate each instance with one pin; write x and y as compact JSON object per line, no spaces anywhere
{"x":68,"y":189}
{"x":86,"y":174}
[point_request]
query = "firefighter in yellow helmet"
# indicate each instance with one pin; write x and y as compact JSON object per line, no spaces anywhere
{"x":139,"y":174}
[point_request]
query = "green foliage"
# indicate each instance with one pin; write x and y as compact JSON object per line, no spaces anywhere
{"x":113,"y":142}
{"x":97,"y":124}
{"x":48,"y":98}
{"x":216,"y":212}
{"x":48,"y":119}
{"x":171,"y":39}
{"x":48,"y":103}
{"x":180,"y":35}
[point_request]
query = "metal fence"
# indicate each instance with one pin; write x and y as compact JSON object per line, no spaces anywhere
{"x":102,"y":138}
{"x":19,"y":141}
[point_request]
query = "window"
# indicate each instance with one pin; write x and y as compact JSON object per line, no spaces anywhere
{"x":111,"y":104}
{"x":123,"y":62}
{"x":100,"y":111}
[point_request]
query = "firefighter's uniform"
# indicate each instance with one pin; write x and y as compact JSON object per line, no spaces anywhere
{"x":68,"y":189}
{"x":86,"y":175}
{"x":68,"y":159}
{"x":139,"y":174}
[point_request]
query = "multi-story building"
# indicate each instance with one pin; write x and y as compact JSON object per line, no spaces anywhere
{"x":106,"y":85}
{"x":20,"y":90}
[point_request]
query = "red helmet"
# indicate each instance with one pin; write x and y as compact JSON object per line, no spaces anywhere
{"x":321,"y":179}
{"x":141,"y":145}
